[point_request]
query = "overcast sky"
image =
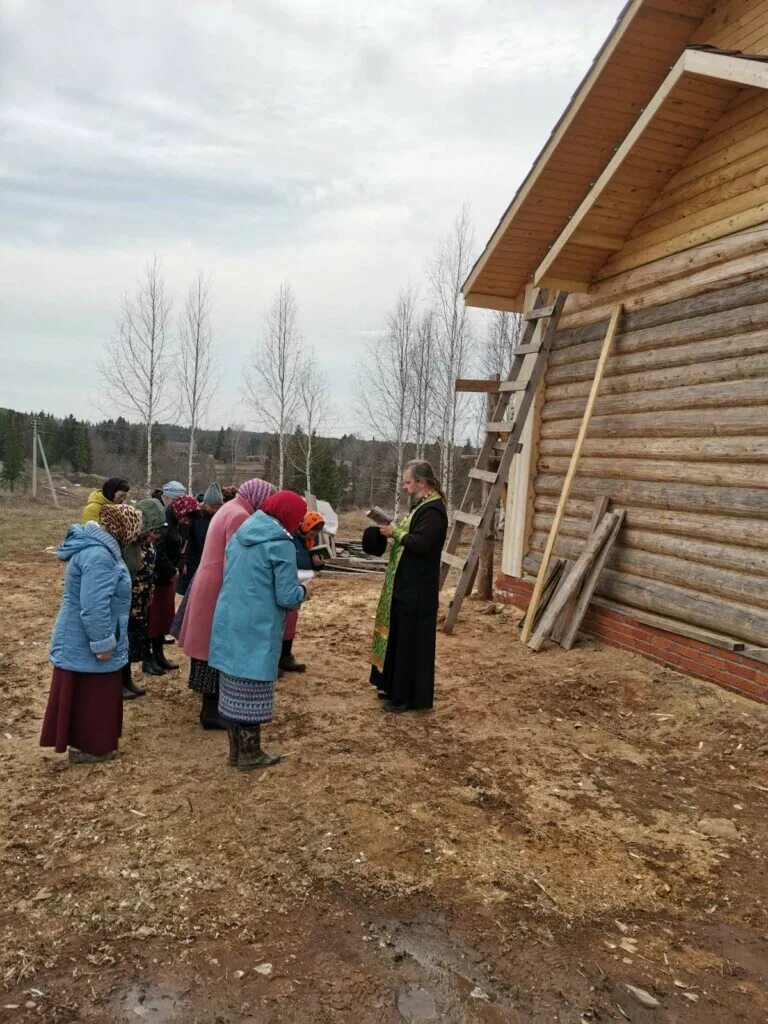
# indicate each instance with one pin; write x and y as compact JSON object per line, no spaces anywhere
{"x":328,"y":144}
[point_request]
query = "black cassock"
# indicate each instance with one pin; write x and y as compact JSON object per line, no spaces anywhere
{"x":408,"y":676}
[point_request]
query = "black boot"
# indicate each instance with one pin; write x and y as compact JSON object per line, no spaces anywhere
{"x":234,"y":744}
{"x":130,"y":689}
{"x":249,"y":752}
{"x":149,"y":666}
{"x":209,"y":713}
{"x":160,"y":658}
{"x":287,"y":661}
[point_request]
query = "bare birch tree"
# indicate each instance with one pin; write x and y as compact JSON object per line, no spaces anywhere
{"x":502,"y":337}
{"x":422,"y":381}
{"x":447,"y":272}
{"x":273,"y":378}
{"x":313,"y":414}
{"x":196,"y":362}
{"x":137,"y":367}
{"x":385,"y":379}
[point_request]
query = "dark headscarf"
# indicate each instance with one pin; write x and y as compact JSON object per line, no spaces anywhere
{"x":113,"y":485}
{"x":287,"y":508}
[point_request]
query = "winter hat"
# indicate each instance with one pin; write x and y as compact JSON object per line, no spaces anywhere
{"x":185,"y":506}
{"x":113,"y":485}
{"x":152,"y":514}
{"x":173,"y":489}
{"x":122,"y":521}
{"x":213,"y":495}
{"x":287,"y":508}
{"x":254,"y":492}
{"x":374,"y":541}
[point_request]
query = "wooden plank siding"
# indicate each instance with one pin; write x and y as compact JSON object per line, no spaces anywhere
{"x":721,"y":188}
{"x":679,"y":436}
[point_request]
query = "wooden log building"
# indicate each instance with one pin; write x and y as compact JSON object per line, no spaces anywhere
{"x":652,"y":192}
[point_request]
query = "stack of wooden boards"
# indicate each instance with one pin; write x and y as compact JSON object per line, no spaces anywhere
{"x":570,"y":586}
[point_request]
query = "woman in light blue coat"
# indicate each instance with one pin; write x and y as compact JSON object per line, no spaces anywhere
{"x":261,"y":585}
{"x":89,"y":645}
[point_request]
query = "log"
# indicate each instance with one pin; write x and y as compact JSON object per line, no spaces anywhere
{"x":707,"y":449}
{"x":725,"y":302}
{"x":713,"y":613}
{"x":703,"y":372}
{"x":680,"y":497}
{"x":677,"y":423}
{"x":706,"y":268}
{"x":572,"y":581}
{"x":722,"y":474}
{"x":728,"y":347}
{"x":737,"y":532}
{"x":719,"y":395}
{"x":704,"y":579}
{"x":733,"y":322}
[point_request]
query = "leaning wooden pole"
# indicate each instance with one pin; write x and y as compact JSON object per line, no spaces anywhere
{"x":569,"y":477}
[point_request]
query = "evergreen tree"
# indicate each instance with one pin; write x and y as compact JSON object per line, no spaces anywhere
{"x":83,"y":460}
{"x":13,"y":460}
{"x":219,"y":452}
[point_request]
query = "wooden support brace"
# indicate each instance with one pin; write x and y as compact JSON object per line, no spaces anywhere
{"x":590,"y":584}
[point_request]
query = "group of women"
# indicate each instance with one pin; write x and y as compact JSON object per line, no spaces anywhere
{"x":243,"y":565}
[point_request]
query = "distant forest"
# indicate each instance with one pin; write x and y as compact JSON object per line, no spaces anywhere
{"x":347,"y":471}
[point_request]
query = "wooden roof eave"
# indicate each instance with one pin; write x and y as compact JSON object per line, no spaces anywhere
{"x":725,"y":68}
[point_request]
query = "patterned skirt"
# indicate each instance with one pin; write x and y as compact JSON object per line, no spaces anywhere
{"x":246,"y":701}
{"x":203,"y":678}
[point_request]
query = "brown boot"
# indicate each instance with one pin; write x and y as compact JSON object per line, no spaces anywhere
{"x":249,"y":752}
{"x":234,"y":744}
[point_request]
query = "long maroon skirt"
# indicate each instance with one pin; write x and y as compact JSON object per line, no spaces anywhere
{"x":162,"y":609}
{"x":291,"y":621}
{"x":84,"y":711}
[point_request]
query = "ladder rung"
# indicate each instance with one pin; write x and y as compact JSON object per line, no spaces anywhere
{"x":500,"y":427}
{"x":501,"y":446}
{"x":513,"y":385}
{"x":528,"y":350}
{"x":467,"y":517}
{"x":539,"y":314}
{"x":486,"y":475}
{"x":453,"y":560}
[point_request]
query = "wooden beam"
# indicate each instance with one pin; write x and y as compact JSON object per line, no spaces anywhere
{"x":505,"y":303}
{"x":565,"y":494}
{"x":482,"y":386}
{"x":589,"y":586}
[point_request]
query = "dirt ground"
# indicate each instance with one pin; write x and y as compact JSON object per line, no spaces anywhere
{"x":561,"y":827}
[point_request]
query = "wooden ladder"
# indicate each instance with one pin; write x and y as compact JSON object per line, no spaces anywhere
{"x":539,"y":332}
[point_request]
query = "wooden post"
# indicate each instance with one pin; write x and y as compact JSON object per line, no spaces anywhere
{"x":565,"y":494}
{"x":34,"y":456}
{"x":485,"y":579}
{"x":47,"y":471}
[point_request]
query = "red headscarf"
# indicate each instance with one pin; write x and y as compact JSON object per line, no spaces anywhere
{"x":287,"y":508}
{"x":185,"y":506}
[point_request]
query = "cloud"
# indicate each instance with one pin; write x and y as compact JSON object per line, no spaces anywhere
{"x":329,"y":144}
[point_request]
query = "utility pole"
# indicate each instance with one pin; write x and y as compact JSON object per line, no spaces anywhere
{"x":34,"y":456}
{"x":47,"y":471}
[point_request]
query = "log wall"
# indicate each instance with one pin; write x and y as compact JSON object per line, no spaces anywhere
{"x":679,"y":436}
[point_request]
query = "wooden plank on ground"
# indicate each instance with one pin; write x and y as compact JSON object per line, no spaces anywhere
{"x":557,"y":568}
{"x":565,"y":494}
{"x":572,"y":582}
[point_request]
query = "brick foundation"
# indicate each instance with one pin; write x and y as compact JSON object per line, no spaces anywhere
{"x":730,"y":669}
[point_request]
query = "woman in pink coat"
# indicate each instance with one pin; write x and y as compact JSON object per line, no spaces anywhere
{"x":195,"y":635}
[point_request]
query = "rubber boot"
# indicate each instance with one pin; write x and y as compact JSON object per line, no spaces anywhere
{"x":149,"y":666}
{"x":130,"y":689}
{"x":209,"y":713}
{"x":234,"y":738}
{"x":80,"y":757}
{"x":287,"y":661}
{"x":249,"y":752}
{"x":160,"y":658}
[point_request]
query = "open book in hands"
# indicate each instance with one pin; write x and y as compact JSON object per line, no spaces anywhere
{"x":379,"y":516}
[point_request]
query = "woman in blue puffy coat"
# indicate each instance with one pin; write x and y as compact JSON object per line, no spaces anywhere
{"x":89,"y":645}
